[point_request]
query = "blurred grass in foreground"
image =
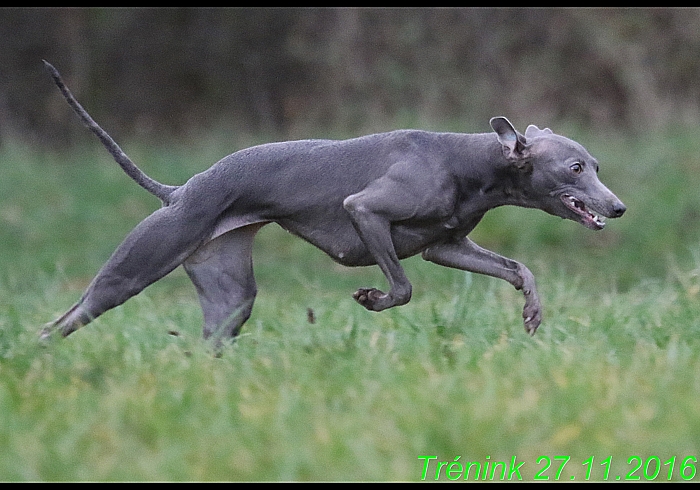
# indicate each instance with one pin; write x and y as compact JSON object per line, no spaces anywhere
{"x":613,"y":371}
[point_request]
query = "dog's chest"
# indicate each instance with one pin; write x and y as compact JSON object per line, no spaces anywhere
{"x":412,"y":238}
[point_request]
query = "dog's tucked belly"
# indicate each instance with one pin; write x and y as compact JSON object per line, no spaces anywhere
{"x":233,"y":222}
{"x":340,"y":241}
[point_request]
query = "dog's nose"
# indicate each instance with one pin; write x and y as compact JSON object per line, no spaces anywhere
{"x":619,"y":209}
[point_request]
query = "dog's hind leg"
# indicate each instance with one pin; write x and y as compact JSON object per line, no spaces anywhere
{"x":222,"y":273}
{"x":157,"y":245}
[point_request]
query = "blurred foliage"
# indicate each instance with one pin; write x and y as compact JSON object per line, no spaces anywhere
{"x":300,"y":72}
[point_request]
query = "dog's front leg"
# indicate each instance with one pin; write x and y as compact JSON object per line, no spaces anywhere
{"x":466,"y":255}
{"x":375,"y":232}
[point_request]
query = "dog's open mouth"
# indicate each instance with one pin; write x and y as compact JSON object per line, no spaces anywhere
{"x":588,"y":218}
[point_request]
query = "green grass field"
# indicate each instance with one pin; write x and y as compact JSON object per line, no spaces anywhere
{"x":609,"y":387}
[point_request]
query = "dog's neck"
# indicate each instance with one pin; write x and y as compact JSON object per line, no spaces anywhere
{"x":491,"y":183}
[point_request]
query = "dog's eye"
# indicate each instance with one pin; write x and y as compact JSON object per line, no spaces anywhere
{"x":577,"y":168}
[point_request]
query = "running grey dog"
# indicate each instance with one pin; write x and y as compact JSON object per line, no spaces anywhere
{"x":371,"y":200}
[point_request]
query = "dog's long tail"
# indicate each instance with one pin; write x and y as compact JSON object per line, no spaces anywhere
{"x":161,"y":191}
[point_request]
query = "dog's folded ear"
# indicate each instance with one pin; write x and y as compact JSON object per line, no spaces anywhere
{"x":533,"y":131}
{"x":513,"y":143}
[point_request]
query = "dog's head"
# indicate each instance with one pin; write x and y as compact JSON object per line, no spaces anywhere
{"x":561,"y":175}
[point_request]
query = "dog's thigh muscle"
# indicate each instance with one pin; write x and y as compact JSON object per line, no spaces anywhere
{"x":153,"y":249}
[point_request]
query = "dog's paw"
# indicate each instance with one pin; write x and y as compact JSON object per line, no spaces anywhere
{"x":532,"y":317}
{"x":46,"y":334}
{"x":55,"y":329}
{"x":370,"y":298}
{"x":532,"y":312}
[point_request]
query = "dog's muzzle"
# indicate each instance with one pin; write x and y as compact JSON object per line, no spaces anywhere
{"x":591,"y":218}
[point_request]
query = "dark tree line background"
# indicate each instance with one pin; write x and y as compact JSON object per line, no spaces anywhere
{"x":300,"y":72}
